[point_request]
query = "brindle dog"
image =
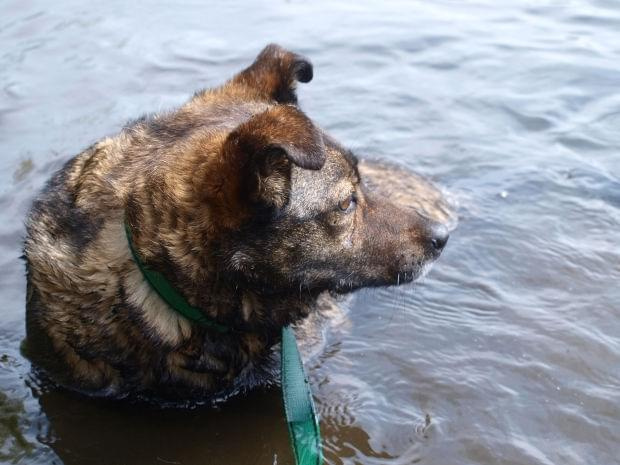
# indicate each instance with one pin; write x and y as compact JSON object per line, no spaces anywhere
{"x":246,"y":207}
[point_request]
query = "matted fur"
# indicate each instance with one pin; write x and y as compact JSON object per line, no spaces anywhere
{"x":250,"y":210}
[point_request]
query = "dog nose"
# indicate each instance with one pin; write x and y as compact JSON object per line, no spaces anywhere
{"x":439,"y":237}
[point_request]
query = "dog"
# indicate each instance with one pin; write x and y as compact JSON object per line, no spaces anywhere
{"x":245,"y":207}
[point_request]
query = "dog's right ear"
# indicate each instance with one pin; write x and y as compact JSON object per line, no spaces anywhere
{"x":263,"y":148}
{"x":274,"y":73}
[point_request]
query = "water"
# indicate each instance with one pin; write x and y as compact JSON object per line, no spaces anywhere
{"x":509,"y":352}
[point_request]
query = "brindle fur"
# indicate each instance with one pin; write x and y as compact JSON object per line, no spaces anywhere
{"x":235,"y":198}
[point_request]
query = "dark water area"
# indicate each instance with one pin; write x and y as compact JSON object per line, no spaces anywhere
{"x":507,"y":353}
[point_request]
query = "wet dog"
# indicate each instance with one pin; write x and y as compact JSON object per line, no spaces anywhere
{"x":247,"y":210}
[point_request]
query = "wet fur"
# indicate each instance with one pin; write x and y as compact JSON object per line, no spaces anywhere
{"x":235,"y":198}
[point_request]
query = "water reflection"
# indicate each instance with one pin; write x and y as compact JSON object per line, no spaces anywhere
{"x":84,"y":430}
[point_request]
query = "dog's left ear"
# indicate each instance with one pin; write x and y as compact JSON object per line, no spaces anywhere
{"x":264,"y":147}
{"x":274,"y":73}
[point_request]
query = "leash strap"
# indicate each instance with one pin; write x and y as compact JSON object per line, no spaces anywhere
{"x":301,"y":417}
{"x":303,"y":422}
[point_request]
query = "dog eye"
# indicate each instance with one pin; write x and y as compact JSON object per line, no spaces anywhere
{"x":348,"y":204}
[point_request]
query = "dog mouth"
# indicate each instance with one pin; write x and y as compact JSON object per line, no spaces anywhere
{"x":415,"y":273}
{"x":403,"y":276}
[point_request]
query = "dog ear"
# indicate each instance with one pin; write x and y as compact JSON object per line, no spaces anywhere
{"x":274,"y":73}
{"x":264,"y":147}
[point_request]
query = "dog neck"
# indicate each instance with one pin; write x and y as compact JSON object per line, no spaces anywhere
{"x":218,"y":305}
{"x":170,"y":295}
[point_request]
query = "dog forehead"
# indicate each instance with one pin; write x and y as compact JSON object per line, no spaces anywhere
{"x":313,"y":191}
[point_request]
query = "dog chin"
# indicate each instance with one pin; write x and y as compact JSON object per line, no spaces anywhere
{"x":415,"y":274}
{"x":403,"y":277}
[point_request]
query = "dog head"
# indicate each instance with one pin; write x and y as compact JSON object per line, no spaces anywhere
{"x":294,"y":211}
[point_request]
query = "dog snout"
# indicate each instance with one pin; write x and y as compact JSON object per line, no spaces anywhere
{"x":439,"y":235}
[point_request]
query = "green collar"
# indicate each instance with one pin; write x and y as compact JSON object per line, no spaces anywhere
{"x":169,"y":294}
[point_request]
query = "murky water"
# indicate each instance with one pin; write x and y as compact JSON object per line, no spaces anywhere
{"x":509,"y":352}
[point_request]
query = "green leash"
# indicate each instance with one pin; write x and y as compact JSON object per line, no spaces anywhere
{"x":301,"y":417}
{"x":303,"y":422}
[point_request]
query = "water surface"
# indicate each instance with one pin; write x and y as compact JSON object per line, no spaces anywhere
{"x":509,"y":352}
